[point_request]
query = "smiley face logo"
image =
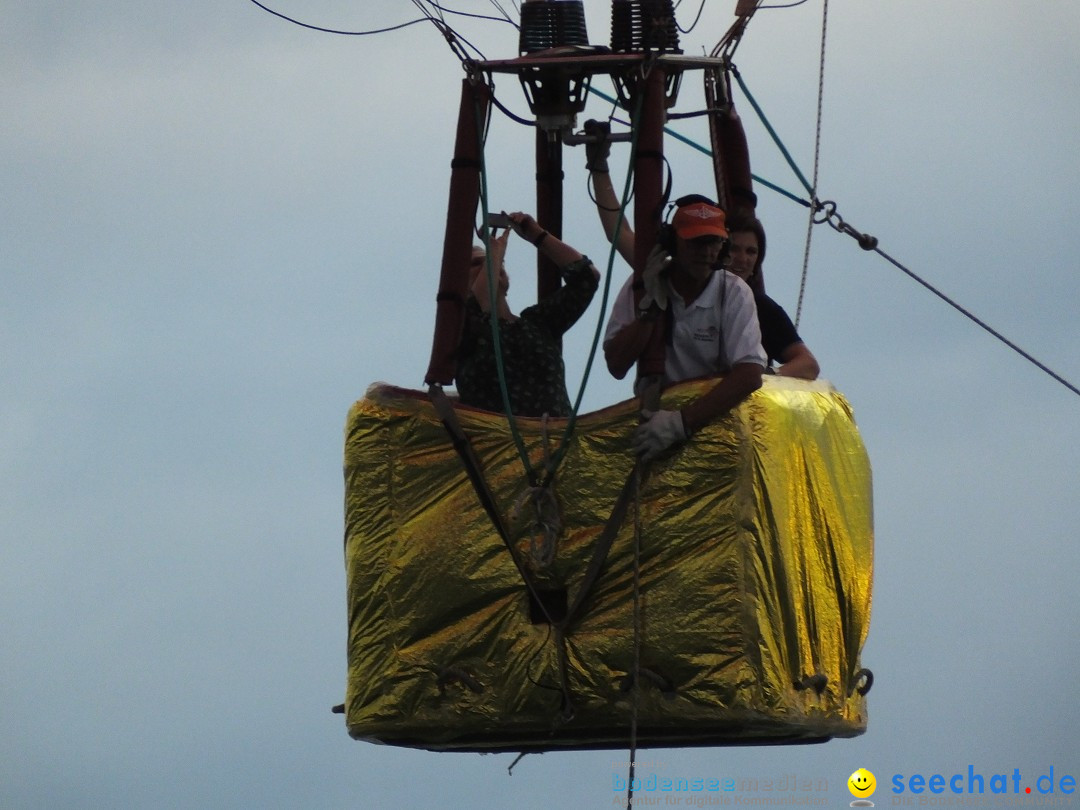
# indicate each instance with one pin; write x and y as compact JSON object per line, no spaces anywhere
{"x":862,"y":784}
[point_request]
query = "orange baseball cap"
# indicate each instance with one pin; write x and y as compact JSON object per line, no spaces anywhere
{"x":699,"y":219}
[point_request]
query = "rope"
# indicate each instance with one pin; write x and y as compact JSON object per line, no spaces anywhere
{"x":493,"y":313}
{"x":551,"y":465}
{"x":817,"y":155}
{"x":475,"y":473}
{"x":636,"y":697}
{"x":826,"y":212}
{"x":548,"y":521}
{"x":978,"y":322}
{"x":706,"y":151}
{"x":693,"y":25}
{"x":336,"y":31}
{"x":560,"y":453}
{"x":772,"y":132}
{"x":503,"y":19}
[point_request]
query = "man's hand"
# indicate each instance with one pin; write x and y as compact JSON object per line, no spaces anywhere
{"x":654,"y":279}
{"x":660,"y":431}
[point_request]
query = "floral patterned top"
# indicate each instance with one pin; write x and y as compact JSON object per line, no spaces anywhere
{"x":531,"y":350}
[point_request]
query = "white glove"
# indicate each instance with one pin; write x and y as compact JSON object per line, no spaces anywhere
{"x":660,"y":431}
{"x":654,"y":279}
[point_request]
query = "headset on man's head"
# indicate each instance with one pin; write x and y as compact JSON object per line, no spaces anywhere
{"x":666,"y":238}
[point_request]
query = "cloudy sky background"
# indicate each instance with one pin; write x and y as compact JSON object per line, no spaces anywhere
{"x":217,"y":228}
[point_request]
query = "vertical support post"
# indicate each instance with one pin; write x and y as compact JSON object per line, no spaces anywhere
{"x":549,"y":205}
{"x":648,"y":200}
{"x":731,"y":155}
{"x":457,"y":242}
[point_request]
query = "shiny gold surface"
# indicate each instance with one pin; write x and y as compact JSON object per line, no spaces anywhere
{"x":756,"y":559}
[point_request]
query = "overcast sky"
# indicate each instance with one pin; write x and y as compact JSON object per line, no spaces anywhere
{"x":218,"y":228}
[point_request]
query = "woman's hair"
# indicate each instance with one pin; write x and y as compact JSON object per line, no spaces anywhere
{"x":741,"y":222}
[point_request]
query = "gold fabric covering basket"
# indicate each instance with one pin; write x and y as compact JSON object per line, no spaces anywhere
{"x":750,"y":605}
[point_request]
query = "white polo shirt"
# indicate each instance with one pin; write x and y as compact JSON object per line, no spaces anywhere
{"x":718,"y":330}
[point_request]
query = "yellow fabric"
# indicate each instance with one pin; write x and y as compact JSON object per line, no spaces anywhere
{"x":756,"y":556}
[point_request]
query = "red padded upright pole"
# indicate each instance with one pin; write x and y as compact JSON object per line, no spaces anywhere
{"x":731,"y":155}
{"x":457,"y":242}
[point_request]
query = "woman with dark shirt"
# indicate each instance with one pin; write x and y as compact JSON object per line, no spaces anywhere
{"x":530,"y":343}
{"x":778,"y":336}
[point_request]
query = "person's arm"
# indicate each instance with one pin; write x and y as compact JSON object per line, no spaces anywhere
{"x":739,"y":383}
{"x":664,"y":429}
{"x":782,"y":342}
{"x":597,"y":150}
{"x":744,"y":355}
{"x":746,"y":360}
{"x":607,"y":206}
{"x":624,"y":348}
{"x":799,"y":361}
{"x":480,"y":289}
{"x":560,"y":253}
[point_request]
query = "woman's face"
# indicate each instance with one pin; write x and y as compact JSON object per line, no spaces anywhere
{"x":744,"y":254}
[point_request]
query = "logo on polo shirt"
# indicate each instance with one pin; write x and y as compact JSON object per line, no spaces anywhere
{"x":706,"y":335}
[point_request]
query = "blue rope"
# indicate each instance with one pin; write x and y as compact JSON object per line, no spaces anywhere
{"x":772,"y":133}
{"x":706,"y":151}
{"x":557,"y":457}
{"x":493,"y":314}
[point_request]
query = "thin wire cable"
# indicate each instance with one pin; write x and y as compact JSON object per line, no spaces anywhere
{"x":706,"y":151}
{"x":693,"y":25}
{"x":452,"y":37}
{"x":420,"y":5}
{"x":443,"y":8}
{"x":525,"y":122}
{"x":841,"y":227}
{"x":336,"y":31}
{"x":884,"y":255}
{"x":979,"y":322}
{"x":506,"y":16}
{"x":817,"y":158}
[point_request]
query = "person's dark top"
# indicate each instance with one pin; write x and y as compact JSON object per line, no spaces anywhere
{"x":777,"y":330}
{"x":531,"y":350}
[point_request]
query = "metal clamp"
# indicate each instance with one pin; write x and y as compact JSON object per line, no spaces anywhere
{"x":826,"y":212}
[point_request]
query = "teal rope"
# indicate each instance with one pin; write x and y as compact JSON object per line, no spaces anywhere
{"x":706,"y":151}
{"x":560,"y":453}
{"x":557,"y":457}
{"x":772,"y":132}
{"x":493,"y":315}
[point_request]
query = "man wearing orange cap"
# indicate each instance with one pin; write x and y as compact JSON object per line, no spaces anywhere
{"x":712,"y":322}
